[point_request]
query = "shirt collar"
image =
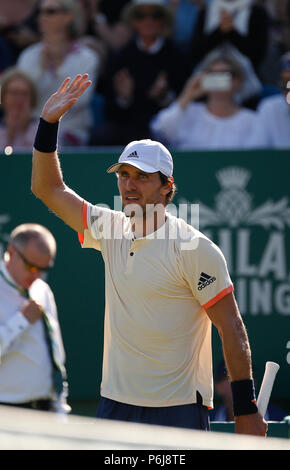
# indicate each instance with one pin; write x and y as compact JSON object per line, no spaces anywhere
{"x":154,"y":48}
{"x":161,"y":232}
{"x":7,"y":275}
{"x":5,"y":271}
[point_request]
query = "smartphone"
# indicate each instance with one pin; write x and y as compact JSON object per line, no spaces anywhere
{"x":218,"y":81}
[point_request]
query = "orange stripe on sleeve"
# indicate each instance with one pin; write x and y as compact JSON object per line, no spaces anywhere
{"x":85,"y":223}
{"x":85,"y":211}
{"x":218,"y":297}
{"x":81,"y":238}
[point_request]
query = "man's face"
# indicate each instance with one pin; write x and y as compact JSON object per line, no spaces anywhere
{"x":148,"y":21}
{"x":17,"y":99}
{"x":25,"y":264}
{"x":53,"y":17}
{"x":139,"y":188}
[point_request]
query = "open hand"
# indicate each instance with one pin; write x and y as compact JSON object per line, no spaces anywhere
{"x":65,"y":97}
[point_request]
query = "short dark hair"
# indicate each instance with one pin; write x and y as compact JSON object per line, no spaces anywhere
{"x":164,"y":180}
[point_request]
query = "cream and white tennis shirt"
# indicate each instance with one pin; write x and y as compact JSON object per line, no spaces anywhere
{"x":157,"y":335}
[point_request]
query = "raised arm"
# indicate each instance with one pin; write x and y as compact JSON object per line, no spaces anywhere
{"x":47,"y":180}
{"x":237,"y":353}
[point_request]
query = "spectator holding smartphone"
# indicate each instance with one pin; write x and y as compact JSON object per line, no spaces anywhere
{"x":214,"y":123}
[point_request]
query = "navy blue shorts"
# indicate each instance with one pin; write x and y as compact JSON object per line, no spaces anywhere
{"x":191,"y":416}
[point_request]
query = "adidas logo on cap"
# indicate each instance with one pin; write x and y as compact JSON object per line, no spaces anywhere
{"x":133,"y":155}
{"x":147,"y":155}
{"x":205,"y":280}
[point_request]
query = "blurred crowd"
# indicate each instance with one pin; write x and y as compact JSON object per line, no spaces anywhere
{"x":193,"y":74}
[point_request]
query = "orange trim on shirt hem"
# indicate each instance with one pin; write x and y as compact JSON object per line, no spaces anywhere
{"x":218,"y":297}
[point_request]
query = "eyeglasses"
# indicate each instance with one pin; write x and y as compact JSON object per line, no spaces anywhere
{"x":50,"y":11}
{"x":155,"y":15}
{"x":31,"y":267}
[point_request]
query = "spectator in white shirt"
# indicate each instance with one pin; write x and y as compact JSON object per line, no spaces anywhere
{"x":32,"y":371}
{"x":59,"y":54}
{"x":273,"y":127}
{"x":215,"y":123}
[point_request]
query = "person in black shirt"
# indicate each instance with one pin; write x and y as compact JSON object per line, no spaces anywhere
{"x":141,"y":77}
{"x":239,"y":22}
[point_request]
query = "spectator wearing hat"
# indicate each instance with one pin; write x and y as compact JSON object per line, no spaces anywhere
{"x":143,"y":77}
{"x":273,"y":124}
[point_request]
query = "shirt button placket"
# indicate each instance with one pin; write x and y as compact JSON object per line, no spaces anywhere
{"x":130,"y":259}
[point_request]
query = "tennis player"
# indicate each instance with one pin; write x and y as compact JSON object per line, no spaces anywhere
{"x":166,"y":284}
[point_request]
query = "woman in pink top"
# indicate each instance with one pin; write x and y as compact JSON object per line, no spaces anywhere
{"x":18,"y":98}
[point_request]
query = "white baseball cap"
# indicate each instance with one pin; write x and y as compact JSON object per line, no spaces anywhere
{"x":147,"y":155}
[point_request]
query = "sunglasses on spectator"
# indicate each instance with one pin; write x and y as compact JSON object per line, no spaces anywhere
{"x":155,"y":15}
{"x":31,"y":267}
{"x":50,"y":11}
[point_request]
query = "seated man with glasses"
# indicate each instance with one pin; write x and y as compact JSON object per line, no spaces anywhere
{"x":32,"y":372}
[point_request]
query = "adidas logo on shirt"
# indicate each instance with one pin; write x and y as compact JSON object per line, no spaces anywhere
{"x":205,"y":280}
{"x":133,"y":155}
